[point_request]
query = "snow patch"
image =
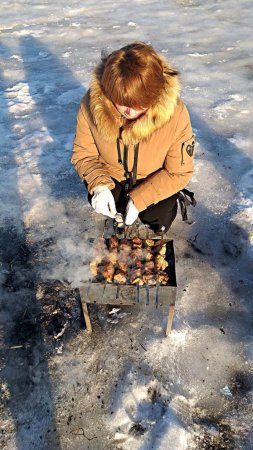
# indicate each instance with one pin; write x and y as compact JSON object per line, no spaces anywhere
{"x":144,"y":416}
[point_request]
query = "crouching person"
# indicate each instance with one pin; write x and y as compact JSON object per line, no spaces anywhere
{"x":134,"y":145}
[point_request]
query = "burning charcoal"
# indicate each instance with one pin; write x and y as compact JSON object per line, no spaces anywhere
{"x":149,"y":266}
{"x":136,"y":277}
{"x":160,"y":263}
{"x":136,"y":242}
{"x":114,"y":242}
{"x":120,"y":277}
{"x":149,"y":242}
{"x":149,"y":279}
{"x":162,"y":278}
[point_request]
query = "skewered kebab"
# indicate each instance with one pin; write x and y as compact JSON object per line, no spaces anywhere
{"x":136,"y":259}
{"x":100,"y":250}
{"x":123,"y":254}
{"x":150,"y":260}
{"x":124,"y":249}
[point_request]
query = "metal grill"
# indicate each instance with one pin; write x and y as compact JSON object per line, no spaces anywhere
{"x":103,"y":293}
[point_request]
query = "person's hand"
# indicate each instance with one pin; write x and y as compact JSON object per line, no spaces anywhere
{"x":103,"y":201}
{"x":131,"y":213}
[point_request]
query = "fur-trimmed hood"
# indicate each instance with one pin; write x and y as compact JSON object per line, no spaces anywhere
{"x":107,"y":119}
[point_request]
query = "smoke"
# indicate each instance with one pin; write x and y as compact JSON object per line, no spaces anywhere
{"x":70,"y":259}
{"x":63,"y":248}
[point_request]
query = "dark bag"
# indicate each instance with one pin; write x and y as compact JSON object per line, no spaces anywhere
{"x":185,"y":198}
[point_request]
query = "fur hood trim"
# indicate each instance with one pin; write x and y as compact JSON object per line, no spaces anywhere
{"x":108,"y":120}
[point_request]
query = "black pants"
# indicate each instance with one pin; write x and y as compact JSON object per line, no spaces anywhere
{"x":157,"y":216}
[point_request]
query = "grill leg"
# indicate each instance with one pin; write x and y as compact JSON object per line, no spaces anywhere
{"x":86,"y":317}
{"x":170,"y":319}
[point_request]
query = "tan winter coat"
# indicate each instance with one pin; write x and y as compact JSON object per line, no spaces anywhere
{"x":164,"y":134}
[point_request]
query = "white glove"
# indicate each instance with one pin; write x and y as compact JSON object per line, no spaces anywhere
{"x":103,"y":201}
{"x":131,"y":213}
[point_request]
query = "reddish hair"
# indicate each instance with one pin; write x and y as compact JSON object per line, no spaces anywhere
{"x":133,"y":76}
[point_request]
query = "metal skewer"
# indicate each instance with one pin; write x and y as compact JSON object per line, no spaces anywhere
{"x":137,"y":230}
{"x":147,"y":231}
{"x":104,"y":229}
{"x":138,"y":293}
{"x":162,"y":230}
{"x":157,"y":295}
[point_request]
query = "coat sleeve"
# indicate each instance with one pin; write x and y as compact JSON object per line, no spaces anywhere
{"x":177,"y":169}
{"x":85,"y":155}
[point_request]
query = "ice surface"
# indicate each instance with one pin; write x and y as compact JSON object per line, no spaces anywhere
{"x":157,"y":393}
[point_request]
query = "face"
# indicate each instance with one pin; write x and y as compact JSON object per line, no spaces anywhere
{"x":130,"y":113}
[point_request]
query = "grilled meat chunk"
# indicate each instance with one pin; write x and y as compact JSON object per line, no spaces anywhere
{"x":149,"y":279}
{"x":125,"y":245}
{"x":94,"y":265}
{"x":120,"y":277}
{"x":136,"y":242}
{"x":114,"y":242}
{"x":162,"y":278}
{"x":161,"y":249}
{"x":149,"y":242}
{"x":123,"y":265}
{"x":136,"y":255}
{"x":160,"y":263}
{"x":108,"y":271}
{"x":112,"y":256}
{"x":149,"y":266}
{"x":149,"y":255}
{"x":136,"y":277}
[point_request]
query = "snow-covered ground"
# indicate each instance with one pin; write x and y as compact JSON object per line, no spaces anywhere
{"x":125,"y":386}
